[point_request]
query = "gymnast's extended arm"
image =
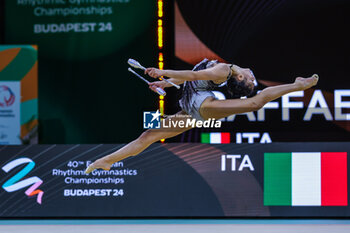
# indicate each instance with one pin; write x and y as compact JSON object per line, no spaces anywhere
{"x":218,"y":72}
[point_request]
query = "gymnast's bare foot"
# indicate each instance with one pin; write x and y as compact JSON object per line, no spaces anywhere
{"x":98,"y":164}
{"x":306,"y":83}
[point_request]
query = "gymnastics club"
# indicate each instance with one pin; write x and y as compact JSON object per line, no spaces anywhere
{"x":160,"y":91}
{"x":137,"y":65}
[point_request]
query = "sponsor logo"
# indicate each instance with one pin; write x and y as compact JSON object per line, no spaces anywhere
{"x":7,"y":97}
{"x":17,"y":182}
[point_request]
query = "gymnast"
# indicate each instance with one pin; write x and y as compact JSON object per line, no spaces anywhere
{"x":199,"y":102}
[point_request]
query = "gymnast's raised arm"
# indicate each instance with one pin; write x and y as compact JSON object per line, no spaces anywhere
{"x":216,"y":73}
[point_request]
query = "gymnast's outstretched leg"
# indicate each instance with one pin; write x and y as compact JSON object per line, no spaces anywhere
{"x":140,"y":144}
{"x":213,"y":108}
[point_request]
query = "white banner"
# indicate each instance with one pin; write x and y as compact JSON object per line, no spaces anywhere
{"x":10,"y":118}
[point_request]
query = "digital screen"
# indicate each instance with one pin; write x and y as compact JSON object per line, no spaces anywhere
{"x":278,"y":41}
{"x":288,"y":159}
{"x":86,"y":93}
{"x":177,"y":180}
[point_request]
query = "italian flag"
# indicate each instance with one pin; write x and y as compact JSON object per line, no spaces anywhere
{"x":305,"y":179}
{"x":215,"y":138}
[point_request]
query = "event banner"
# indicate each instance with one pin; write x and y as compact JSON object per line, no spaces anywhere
{"x":84,"y":48}
{"x":18,"y":94}
{"x":177,"y":180}
{"x":101,"y":26}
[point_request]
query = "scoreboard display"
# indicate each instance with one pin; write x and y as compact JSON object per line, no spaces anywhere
{"x":177,"y":180}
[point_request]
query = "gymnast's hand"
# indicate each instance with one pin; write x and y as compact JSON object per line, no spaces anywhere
{"x":154,"y":72}
{"x":153,"y":86}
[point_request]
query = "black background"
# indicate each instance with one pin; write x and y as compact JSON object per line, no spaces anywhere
{"x":279,"y":40}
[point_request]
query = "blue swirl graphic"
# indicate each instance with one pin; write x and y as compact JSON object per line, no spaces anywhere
{"x":15,"y":183}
